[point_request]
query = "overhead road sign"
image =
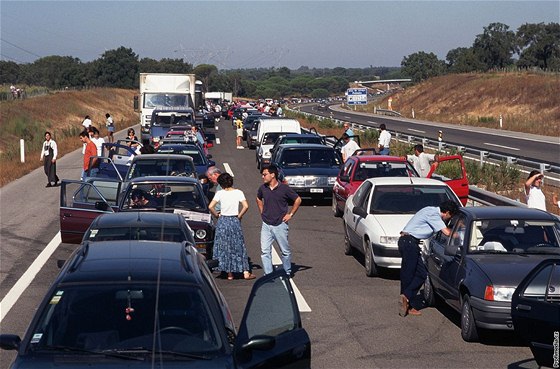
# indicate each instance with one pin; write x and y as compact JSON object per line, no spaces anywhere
{"x":356,"y":96}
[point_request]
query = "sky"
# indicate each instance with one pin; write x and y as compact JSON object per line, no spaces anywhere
{"x":257,"y":34}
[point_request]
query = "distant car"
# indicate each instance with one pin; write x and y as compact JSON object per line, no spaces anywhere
{"x":377,"y":212}
{"x":535,"y":310}
{"x":161,"y":165}
{"x":247,"y":124}
{"x":263,"y":153}
{"x":322,"y":106}
{"x":201,"y":161}
{"x":299,"y":138}
{"x":155,"y":304}
{"x":477,"y":269}
{"x":163,"y":120}
{"x":309,"y":169}
{"x":115,"y":159}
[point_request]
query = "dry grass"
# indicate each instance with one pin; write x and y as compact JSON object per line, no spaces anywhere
{"x":60,"y":113}
{"x":528,"y":102}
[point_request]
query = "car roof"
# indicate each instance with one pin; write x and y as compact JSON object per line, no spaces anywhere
{"x":161,"y":157}
{"x":302,"y":135}
{"x":378,"y":158}
{"x":305,"y":146}
{"x":388,"y":181}
{"x":507,"y":212}
{"x":181,"y":145}
{"x":159,"y":179}
{"x":138,"y":218}
{"x":130,"y":261}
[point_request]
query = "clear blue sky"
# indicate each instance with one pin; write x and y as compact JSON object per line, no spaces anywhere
{"x":248,"y":34}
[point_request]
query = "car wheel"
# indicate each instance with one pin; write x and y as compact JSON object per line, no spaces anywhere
{"x":336,"y":211}
{"x":348,"y":249}
{"x":429,"y":293}
{"x":468,"y":324}
{"x":369,"y":263}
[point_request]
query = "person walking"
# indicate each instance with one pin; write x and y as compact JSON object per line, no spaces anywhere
{"x":425,"y":223}
{"x":384,"y":140}
{"x":533,"y":191}
{"x":421,"y":161}
{"x":86,"y":122}
{"x":49,"y":153}
{"x":239,"y":132}
{"x":272,"y":201}
{"x":110,"y":127}
{"x":229,"y":243}
{"x":349,"y":147}
{"x":90,"y":151}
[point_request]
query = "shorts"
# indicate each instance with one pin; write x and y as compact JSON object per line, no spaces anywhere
{"x":239,"y":132}
{"x":111,"y":128}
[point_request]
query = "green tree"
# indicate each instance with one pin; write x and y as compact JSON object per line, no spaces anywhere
{"x":463,"y":60}
{"x":420,"y":66}
{"x":320,"y":93}
{"x":495,"y":46}
{"x":205,"y":72}
{"x":539,"y":45}
{"x":116,"y":68}
{"x":9,"y":72}
{"x":55,"y":72}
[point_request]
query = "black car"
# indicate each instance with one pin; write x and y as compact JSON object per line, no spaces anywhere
{"x":248,"y":124}
{"x":133,"y":304}
{"x":310,"y":169}
{"x":535,"y":309}
{"x":140,"y":226}
{"x":161,"y":165}
{"x":478,"y":267}
{"x":299,"y":138}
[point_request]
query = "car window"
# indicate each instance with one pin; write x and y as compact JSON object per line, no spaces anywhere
{"x":347,"y":168}
{"x":186,"y":196}
{"x":125,"y":317}
{"x":361,"y":195}
{"x":167,"y":233}
{"x":159,"y":167}
{"x":458,"y":229}
{"x":545,"y":285}
{"x":383,"y":169}
{"x":408,"y":199}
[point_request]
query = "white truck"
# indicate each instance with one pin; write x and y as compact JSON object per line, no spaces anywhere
{"x":164,"y":91}
{"x":218,"y":97}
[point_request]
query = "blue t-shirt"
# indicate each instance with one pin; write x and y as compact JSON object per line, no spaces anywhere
{"x":275,"y":202}
{"x":425,"y":223}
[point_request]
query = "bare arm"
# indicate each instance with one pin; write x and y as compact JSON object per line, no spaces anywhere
{"x":529,"y":183}
{"x":295,"y":207}
{"x":212,"y":208}
{"x":446,"y":231}
{"x":260,"y":205}
{"x":244,"y":208}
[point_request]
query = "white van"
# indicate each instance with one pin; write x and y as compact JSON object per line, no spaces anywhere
{"x":268,"y":130}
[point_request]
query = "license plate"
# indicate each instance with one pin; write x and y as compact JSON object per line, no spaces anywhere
{"x":316,"y":190}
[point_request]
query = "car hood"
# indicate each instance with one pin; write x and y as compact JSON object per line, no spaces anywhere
{"x":311,"y":171}
{"x":391,"y":224}
{"x":510,"y":269}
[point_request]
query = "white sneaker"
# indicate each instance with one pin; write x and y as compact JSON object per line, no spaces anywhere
{"x":241,"y":147}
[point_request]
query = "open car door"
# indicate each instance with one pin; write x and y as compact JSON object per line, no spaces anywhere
{"x":451,"y":170}
{"x":83,"y":201}
{"x":271,"y":334}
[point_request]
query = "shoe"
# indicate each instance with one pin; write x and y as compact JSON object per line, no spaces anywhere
{"x":241,"y":147}
{"x":230,"y":276}
{"x":414,"y":312}
{"x":403,"y":305}
{"x":247,"y":275}
{"x":48,"y":185}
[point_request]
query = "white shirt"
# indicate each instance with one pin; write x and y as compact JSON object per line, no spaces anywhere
{"x":348,"y":149}
{"x":45,"y":149}
{"x":86,"y":123}
{"x":98,"y":143}
{"x":109,"y":122}
{"x":536,"y":199}
{"x":385,"y":139}
{"x":421,"y":163}
{"x":229,"y":201}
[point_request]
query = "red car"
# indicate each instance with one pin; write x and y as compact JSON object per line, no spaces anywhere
{"x":358,"y":168}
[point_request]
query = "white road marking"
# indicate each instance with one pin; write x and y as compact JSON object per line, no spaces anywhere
{"x":416,"y":130}
{"x":503,"y":147}
{"x":302,"y":304}
{"x":217,"y":140}
{"x":347,"y":117}
{"x":21,"y":285}
{"x":216,"y":128}
{"x":371,"y":121}
{"x":228,"y":169}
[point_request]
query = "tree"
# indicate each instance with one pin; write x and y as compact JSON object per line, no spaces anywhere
{"x":9,"y":72}
{"x":420,"y":66}
{"x":204,"y":72}
{"x":495,"y":46}
{"x":463,"y":60}
{"x":539,"y":45}
{"x":319,"y":93}
{"x":117,"y":68}
{"x":55,"y":72}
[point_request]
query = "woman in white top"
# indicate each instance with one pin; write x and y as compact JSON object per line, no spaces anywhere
{"x":533,"y":191}
{"x":98,"y":141}
{"x":229,"y":243}
{"x":49,"y":152}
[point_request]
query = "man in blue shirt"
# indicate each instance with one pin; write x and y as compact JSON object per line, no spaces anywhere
{"x":425,"y":223}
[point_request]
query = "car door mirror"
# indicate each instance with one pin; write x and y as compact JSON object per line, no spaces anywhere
{"x":359,"y":211}
{"x":101,"y":205}
{"x":9,"y":341}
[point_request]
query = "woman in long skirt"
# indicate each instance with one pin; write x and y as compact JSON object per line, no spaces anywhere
{"x":229,"y":243}
{"x":49,"y":153}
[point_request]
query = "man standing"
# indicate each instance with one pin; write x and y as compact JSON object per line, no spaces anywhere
{"x":384,"y":140}
{"x":90,"y":151}
{"x":348,"y":130}
{"x":349,"y":147}
{"x":425,"y":223}
{"x":272,"y":200}
{"x":421,"y":161}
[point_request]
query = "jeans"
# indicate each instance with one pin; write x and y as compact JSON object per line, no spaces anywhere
{"x":92,"y":173}
{"x":413,"y":270}
{"x":269,"y":234}
{"x":384,"y":151}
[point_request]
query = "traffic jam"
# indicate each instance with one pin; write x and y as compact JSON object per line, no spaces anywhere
{"x":146,"y":215}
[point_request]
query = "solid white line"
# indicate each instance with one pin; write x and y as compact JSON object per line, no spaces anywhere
{"x":371,"y":121}
{"x":216,"y":128}
{"x":302,"y":304}
{"x":504,"y":147}
{"x":347,"y":117}
{"x":21,"y":285}
{"x":416,"y":130}
{"x":228,"y":169}
{"x":217,"y":140}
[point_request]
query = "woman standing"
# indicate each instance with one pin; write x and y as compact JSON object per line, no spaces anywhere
{"x":533,"y":191}
{"x":49,"y":153}
{"x":131,"y":136}
{"x":229,"y":243}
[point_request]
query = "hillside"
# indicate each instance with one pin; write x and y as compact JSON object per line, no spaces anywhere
{"x":528,"y":102}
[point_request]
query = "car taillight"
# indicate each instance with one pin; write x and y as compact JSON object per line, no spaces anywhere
{"x":489,"y":293}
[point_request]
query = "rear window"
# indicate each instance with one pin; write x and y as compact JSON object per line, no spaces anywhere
{"x":143,"y":168}
{"x":171,"y":234}
{"x":407,"y":199}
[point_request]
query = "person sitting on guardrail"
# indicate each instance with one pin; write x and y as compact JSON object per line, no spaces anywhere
{"x":533,"y":191}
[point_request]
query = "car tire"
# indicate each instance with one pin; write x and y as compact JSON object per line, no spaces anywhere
{"x":469,"y":331}
{"x":369,"y":263}
{"x":336,"y":211}
{"x":348,"y":249}
{"x":429,"y":293}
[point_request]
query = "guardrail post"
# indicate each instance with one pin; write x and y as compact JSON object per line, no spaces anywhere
{"x":409,"y":139}
{"x":22,"y":150}
{"x":461,"y":149}
{"x":511,"y":160}
{"x":441,"y":145}
{"x":544,"y":167}
{"x":424,"y":142}
{"x":483,"y":155}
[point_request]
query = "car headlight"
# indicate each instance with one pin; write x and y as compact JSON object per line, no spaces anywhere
{"x":200,"y":234}
{"x":389,"y":240}
{"x":498,"y":293}
{"x":295,"y":180}
{"x":332,"y":181}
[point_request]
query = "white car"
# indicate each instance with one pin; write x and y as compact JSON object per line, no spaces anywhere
{"x":377,"y":212}
{"x":263,"y":151}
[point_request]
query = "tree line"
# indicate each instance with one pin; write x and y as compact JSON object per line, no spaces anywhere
{"x":535,"y":45}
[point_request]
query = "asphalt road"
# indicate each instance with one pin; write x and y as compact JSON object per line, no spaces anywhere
{"x":353,"y":322}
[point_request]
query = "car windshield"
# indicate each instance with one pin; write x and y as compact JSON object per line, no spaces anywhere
{"x":198,"y":159}
{"x":303,"y":140}
{"x":164,"y":196}
{"x":310,"y":158}
{"x":168,"y":120}
{"x":407,"y":199}
{"x":514,"y":236}
{"x":167,"y":233}
{"x":383,"y":169}
{"x":152,"y":100}
{"x":161,"y":167}
{"x":270,"y":137}
{"x":113,"y":317}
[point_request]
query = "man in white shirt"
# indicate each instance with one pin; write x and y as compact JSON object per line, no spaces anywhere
{"x":349,"y":148}
{"x":384,"y":140}
{"x":421,"y":161}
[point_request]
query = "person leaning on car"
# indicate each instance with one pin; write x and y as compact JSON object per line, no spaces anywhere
{"x":424,"y":224}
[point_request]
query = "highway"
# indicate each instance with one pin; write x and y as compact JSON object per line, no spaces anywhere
{"x":352,"y":319}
